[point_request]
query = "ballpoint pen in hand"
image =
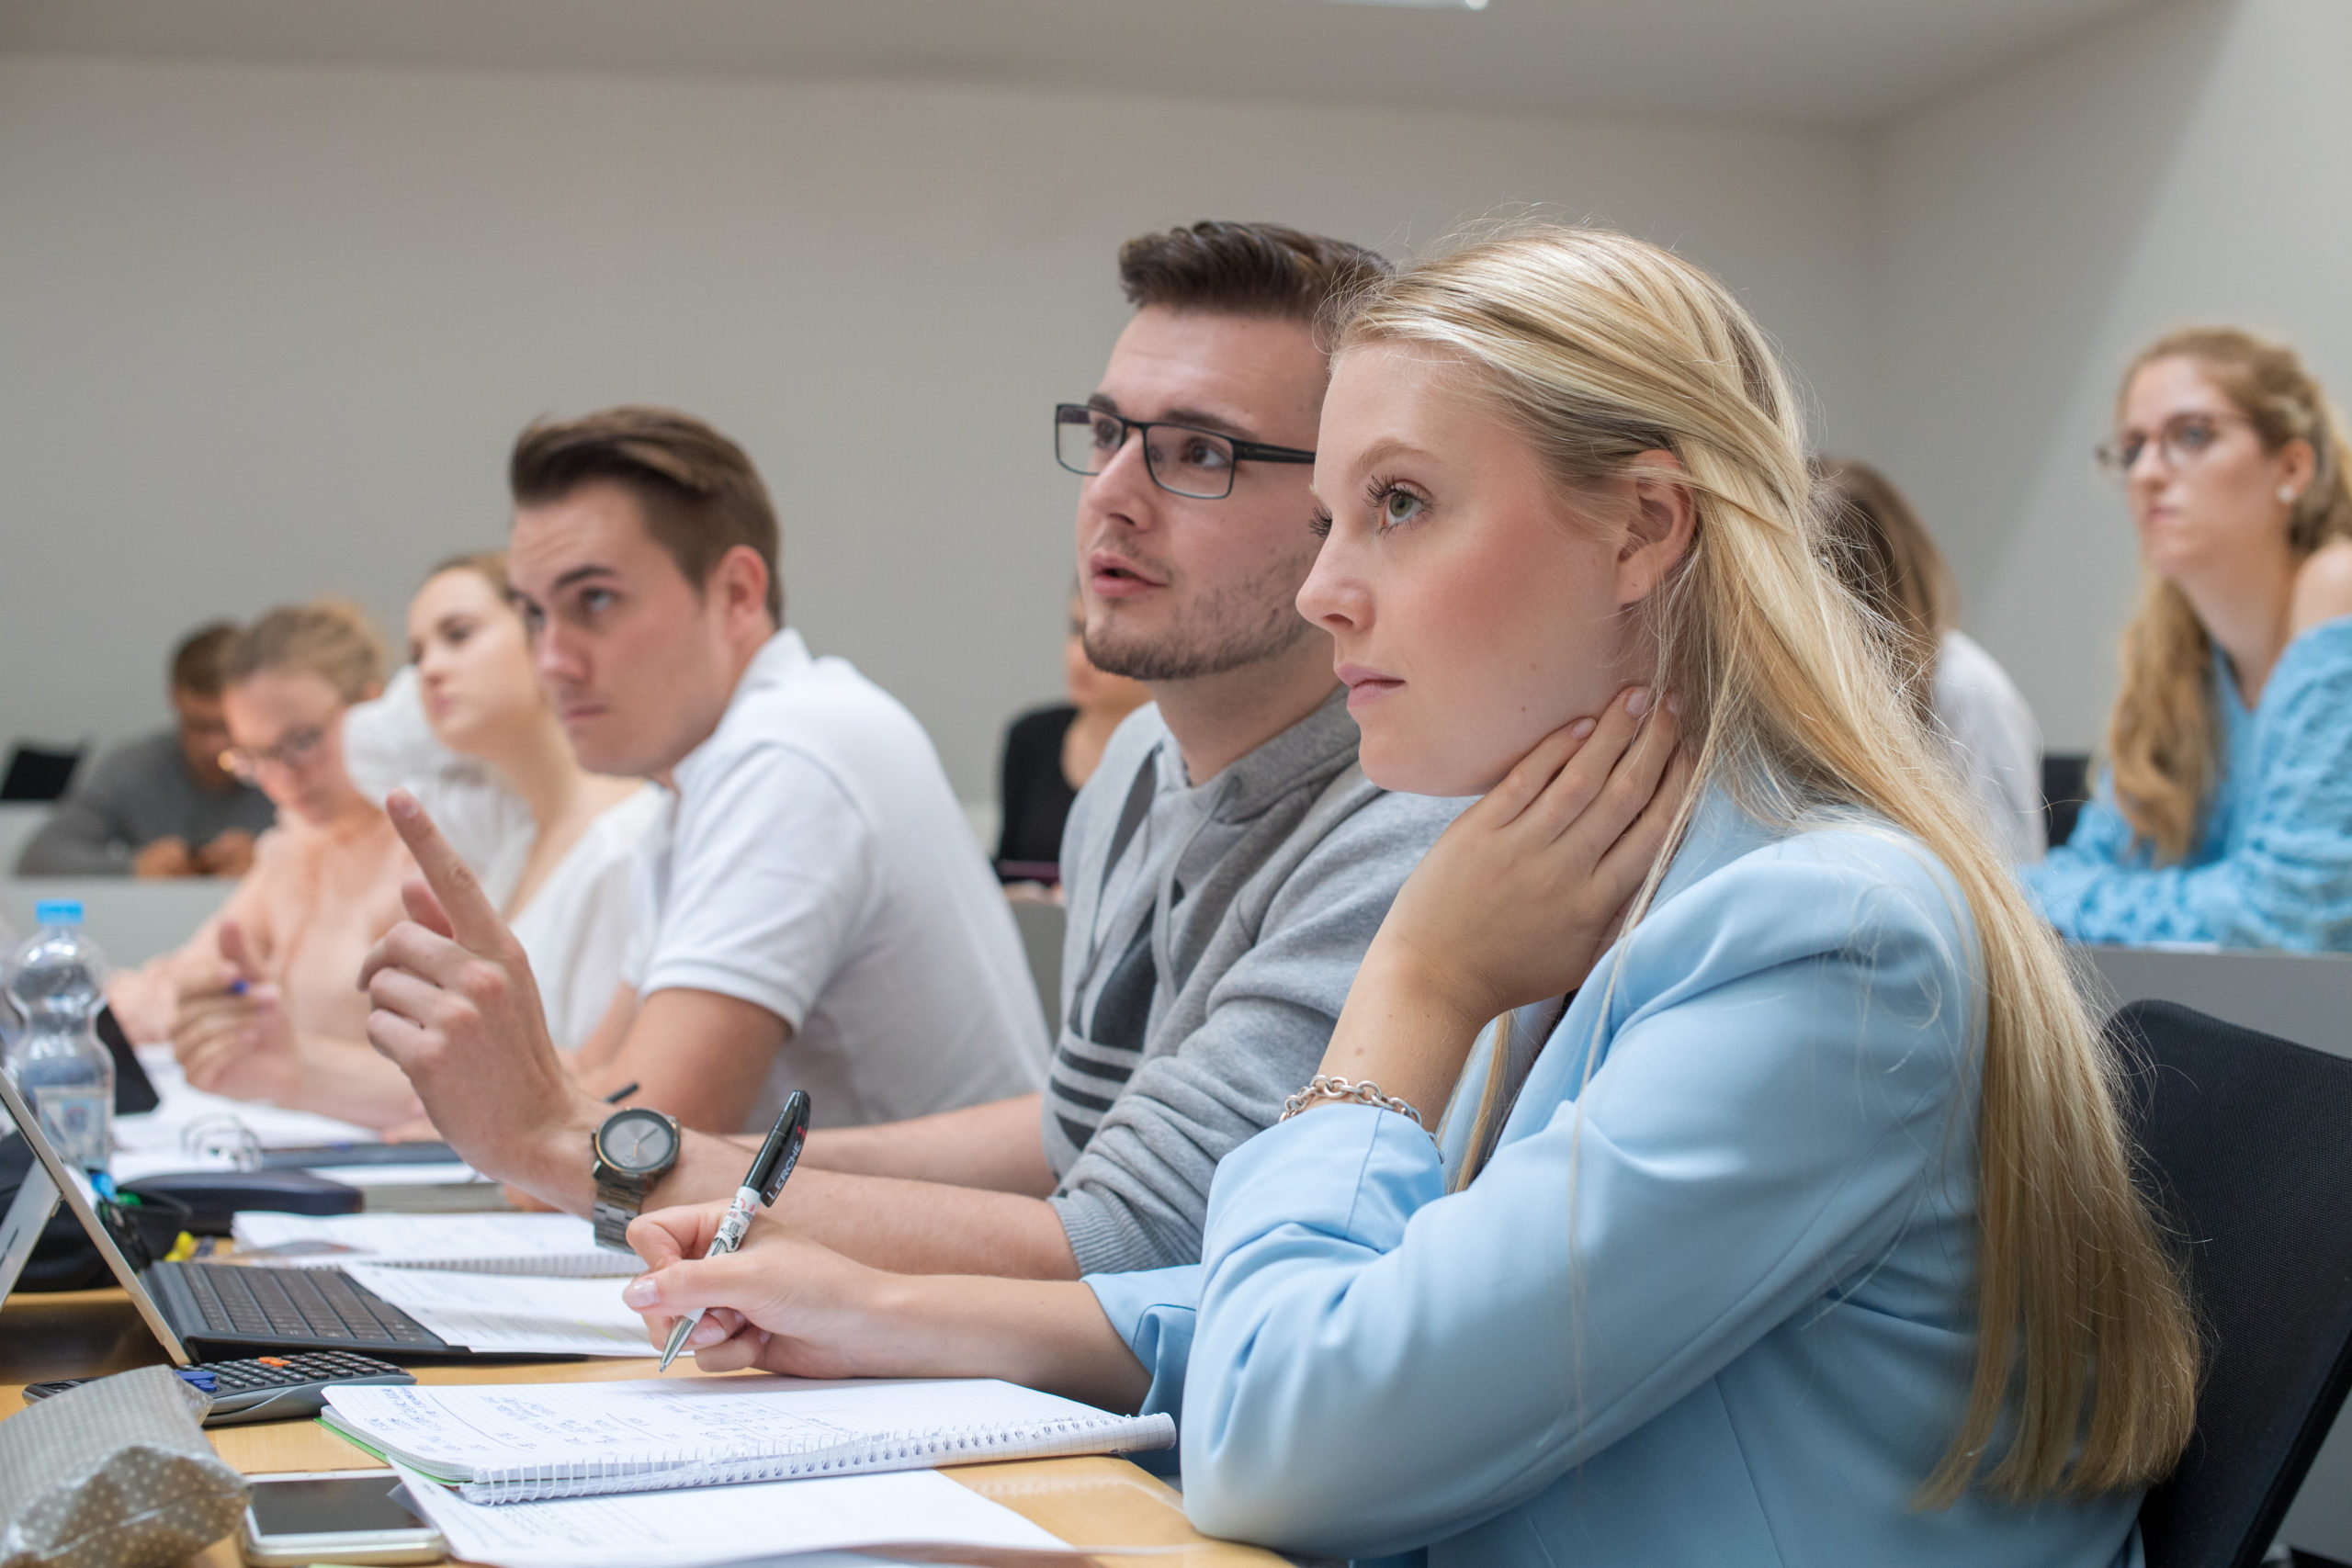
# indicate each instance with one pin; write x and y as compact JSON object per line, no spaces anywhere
{"x":770,"y":1168}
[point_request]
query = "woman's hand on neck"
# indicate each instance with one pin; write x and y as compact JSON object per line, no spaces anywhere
{"x":1516,"y":900}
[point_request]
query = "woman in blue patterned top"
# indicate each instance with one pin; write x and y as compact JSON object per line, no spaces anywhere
{"x":1787,"y":1217}
{"x":2224,"y":814}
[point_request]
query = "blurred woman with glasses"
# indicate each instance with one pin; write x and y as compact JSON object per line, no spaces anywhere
{"x":2224,"y":811}
{"x":277,"y":965}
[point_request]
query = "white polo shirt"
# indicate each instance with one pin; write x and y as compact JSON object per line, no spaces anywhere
{"x":814,"y":862}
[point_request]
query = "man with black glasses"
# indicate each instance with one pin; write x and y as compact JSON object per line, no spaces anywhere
{"x":1226,"y":865}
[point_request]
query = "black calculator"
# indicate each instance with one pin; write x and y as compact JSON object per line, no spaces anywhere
{"x":266,"y":1388}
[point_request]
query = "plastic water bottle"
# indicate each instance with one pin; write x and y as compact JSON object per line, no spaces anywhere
{"x":58,"y":981}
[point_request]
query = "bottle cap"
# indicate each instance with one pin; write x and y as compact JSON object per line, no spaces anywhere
{"x":58,"y":913}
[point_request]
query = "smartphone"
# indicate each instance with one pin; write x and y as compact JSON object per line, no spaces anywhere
{"x":335,"y":1516}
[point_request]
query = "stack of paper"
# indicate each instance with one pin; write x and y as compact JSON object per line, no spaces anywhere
{"x":191,"y":1130}
{"x":479,"y":1244}
{"x":513,"y":1314}
{"x":726,"y":1524}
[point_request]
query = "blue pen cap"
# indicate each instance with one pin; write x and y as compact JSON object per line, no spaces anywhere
{"x":58,"y":913}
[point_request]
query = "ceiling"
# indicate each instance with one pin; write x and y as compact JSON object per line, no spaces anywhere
{"x":1840,"y":63}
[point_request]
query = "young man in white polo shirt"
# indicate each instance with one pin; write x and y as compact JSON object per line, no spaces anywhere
{"x":812,"y":911}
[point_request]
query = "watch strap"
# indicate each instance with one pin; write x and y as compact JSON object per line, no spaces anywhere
{"x":620,"y":1198}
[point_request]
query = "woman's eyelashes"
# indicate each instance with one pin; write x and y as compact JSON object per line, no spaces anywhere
{"x":1393,"y":503}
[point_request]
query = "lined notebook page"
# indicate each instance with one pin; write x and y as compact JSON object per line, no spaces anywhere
{"x":508,"y":1442}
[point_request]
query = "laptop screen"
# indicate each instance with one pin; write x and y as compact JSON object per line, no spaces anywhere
{"x":69,"y":1183}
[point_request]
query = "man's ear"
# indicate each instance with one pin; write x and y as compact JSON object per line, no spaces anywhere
{"x":741,"y":579}
{"x":1659,"y":521}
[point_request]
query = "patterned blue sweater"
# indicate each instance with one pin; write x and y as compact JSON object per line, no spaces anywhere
{"x":2272,"y":864}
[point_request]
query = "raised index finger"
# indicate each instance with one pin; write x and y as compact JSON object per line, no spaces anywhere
{"x":473,"y":920}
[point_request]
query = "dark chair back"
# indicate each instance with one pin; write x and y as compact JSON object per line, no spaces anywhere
{"x":2247,"y":1146}
{"x":35,"y":774}
{"x":2065,"y":785}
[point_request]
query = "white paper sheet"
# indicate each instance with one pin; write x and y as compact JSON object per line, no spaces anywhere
{"x":450,"y":1173}
{"x":490,"y":1243}
{"x":513,"y":1314}
{"x":724,"y":1524}
{"x":161,"y":1131}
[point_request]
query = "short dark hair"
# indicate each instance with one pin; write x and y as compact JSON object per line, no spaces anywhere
{"x":700,"y":494}
{"x":1246,"y":269}
{"x":197,"y":662}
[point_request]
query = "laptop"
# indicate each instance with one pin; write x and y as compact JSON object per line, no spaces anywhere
{"x":203,"y":1311}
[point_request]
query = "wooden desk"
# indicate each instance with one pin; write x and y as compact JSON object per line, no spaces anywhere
{"x":1087,"y":1502}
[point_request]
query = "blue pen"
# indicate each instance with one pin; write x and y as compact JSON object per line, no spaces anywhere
{"x":770,"y":1169}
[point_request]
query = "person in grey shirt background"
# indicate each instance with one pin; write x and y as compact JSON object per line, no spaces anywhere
{"x":161,"y":805}
{"x":1227,"y":863}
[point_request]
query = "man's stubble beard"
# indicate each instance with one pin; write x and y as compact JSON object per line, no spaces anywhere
{"x":1221,"y":636}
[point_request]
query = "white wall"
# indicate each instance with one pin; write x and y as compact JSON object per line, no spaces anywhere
{"x":2187,"y":164}
{"x":269,"y":329}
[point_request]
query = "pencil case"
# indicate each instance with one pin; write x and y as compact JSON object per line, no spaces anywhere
{"x":116,"y":1474}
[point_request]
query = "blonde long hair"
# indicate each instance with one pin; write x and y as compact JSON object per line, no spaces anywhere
{"x":1887,"y":558}
{"x":2163,"y":740}
{"x":1600,"y":347}
{"x":333,"y":639}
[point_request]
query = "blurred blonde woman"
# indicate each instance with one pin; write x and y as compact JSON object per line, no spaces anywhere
{"x":2224,"y":811}
{"x":276,"y":965}
{"x":1882,"y":552}
{"x":1786,"y":1214}
{"x":557,"y":839}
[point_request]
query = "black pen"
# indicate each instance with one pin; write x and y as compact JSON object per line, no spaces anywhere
{"x":771,"y":1168}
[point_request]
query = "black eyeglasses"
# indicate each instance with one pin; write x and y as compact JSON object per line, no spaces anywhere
{"x":1180,"y":459}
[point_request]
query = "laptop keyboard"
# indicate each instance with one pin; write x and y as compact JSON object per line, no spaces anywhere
{"x":320,"y":1305}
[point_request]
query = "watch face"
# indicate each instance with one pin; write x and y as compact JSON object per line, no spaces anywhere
{"x":638,"y":1141}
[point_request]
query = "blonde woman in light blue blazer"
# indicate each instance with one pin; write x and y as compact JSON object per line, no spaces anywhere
{"x":1785,"y":1217}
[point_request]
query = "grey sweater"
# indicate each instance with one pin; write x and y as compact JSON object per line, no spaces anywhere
{"x":1213,"y":931}
{"x":137,"y":793}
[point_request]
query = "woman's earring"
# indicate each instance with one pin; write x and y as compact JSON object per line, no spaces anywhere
{"x":2287,"y":494}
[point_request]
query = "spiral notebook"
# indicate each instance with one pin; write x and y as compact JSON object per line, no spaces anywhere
{"x":522,"y":1442}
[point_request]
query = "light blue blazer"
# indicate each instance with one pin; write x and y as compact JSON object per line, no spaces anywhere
{"x":1707,"y":1306}
{"x":2272,"y":864}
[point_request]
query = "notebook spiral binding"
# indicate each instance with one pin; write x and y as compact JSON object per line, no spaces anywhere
{"x":910,"y":1449}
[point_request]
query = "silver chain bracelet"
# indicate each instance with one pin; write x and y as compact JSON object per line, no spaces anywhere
{"x":1321,"y":1088}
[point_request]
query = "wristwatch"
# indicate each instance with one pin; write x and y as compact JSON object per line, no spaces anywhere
{"x":634,"y":1149}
